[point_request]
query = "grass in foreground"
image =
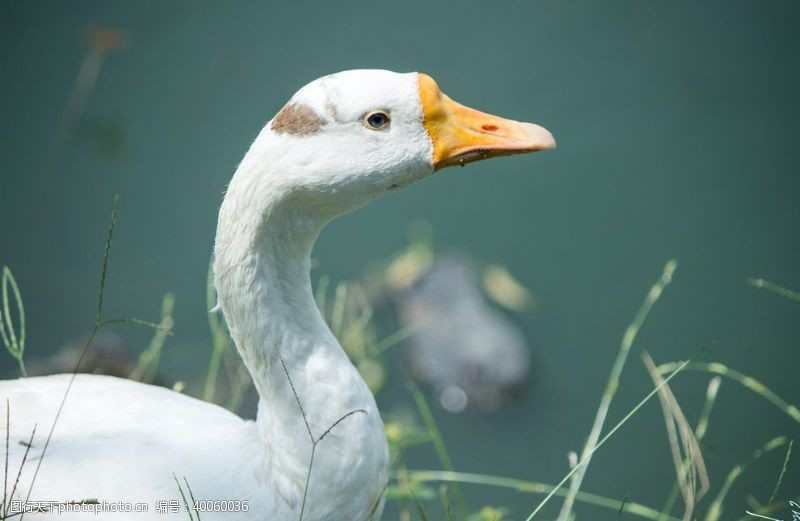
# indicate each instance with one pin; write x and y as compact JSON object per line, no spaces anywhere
{"x":351,"y":320}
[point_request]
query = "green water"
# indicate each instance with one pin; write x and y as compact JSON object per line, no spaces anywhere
{"x":677,"y":131}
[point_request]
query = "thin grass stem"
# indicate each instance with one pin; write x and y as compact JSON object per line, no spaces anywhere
{"x":183,"y":497}
{"x":437,"y":441}
{"x":314,"y":441}
{"x":716,"y":508}
{"x":531,"y":487}
{"x":769,"y":509}
{"x":98,"y":322}
{"x":219,"y":337}
{"x":747,"y":381}
{"x":337,"y":313}
{"x":128,"y":320}
{"x":686,"y":454}
{"x":191,"y":495}
{"x":147,"y":365}
{"x":308,"y":480}
{"x":445,"y":499}
{"x":605,"y":438}
{"x":15,"y":344}
{"x":5,"y":470}
{"x":393,"y":339}
{"x":321,"y":294}
{"x":241,"y":382}
{"x":783,"y":472}
{"x":25,"y":454}
{"x":613,"y":382}
{"x":775,"y":288}
{"x":621,"y":508}
{"x":700,"y":431}
{"x":420,"y":509}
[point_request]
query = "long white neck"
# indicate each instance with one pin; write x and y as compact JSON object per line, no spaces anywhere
{"x":262,"y":263}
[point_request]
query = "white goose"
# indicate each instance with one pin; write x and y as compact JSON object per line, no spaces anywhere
{"x":340,"y":142}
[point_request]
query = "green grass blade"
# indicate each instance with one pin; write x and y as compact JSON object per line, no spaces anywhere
{"x":770,"y":509}
{"x":5,"y":471}
{"x":437,"y":441}
{"x":531,"y":487}
{"x":775,"y":288}
{"x":337,"y":313}
{"x":613,"y":382}
{"x":747,"y":381}
{"x":783,"y":472}
{"x":420,"y":509}
{"x":393,"y":339}
{"x":444,"y":497}
{"x":716,"y":508}
{"x":191,"y":495}
{"x":605,"y":438}
{"x":621,"y":508}
{"x":104,"y":266}
{"x":219,"y":337}
{"x":147,"y":365}
{"x":98,"y":322}
{"x":15,"y":344}
{"x":699,"y":432}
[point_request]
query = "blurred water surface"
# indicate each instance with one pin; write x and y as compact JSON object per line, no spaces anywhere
{"x":677,"y":131}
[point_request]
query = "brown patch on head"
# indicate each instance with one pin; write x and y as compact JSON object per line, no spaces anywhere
{"x":297,"y":120}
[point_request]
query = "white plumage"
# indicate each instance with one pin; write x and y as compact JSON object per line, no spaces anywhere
{"x":321,"y":156}
{"x":121,"y":441}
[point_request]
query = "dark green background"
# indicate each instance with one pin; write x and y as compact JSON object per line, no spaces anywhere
{"x":677,"y":125}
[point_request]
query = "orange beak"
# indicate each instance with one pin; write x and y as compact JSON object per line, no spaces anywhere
{"x":461,"y":135}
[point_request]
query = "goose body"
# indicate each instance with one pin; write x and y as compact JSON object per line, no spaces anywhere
{"x":340,"y":142}
{"x":116,"y":440}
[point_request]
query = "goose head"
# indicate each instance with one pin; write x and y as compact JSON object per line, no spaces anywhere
{"x":347,"y":138}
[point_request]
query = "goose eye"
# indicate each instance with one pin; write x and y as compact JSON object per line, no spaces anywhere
{"x":376,"y":120}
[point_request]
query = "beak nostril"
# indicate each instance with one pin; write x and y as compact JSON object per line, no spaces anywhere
{"x":489,"y":128}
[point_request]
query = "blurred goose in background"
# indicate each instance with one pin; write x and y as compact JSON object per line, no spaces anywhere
{"x":109,"y":354}
{"x":340,"y":142}
{"x":470,"y":353}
